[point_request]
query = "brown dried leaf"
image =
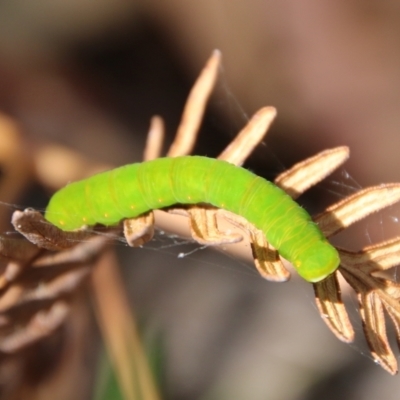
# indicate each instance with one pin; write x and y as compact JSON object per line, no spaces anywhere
{"x":249,"y":137}
{"x":155,"y":139}
{"x":84,"y":253}
{"x":374,"y":294}
{"x":11,"y":272}
{"x":52,"y":287}
{"x":20,"y":253}
{"x":139,"y":230}
{"x":378,"y":257}
{"x":36,"y":229}
{"x":17,"y":249}
{"x":382,"y":256}
{"x":41,"y":324}
{"x":372,"y":315}
{"x":193,"y":112}
{"x":204,"y":228}
{"x":332,"y":309}
{"x":266,"y":258}
{"x":394,"y":315}
{"x":309,"y":172}
{"x":357,"y":206}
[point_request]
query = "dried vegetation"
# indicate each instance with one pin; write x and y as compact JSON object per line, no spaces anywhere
{"x":44,"y":272}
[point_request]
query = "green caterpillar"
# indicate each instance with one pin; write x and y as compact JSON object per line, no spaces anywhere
{"x":134,"y":189}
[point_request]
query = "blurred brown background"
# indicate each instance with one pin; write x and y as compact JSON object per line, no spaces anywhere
{"x":90,"y":75}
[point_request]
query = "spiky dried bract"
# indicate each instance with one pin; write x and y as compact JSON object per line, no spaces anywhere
{"x":266,"y":258}
{"x":356,"y":207}
{"x":194,"y":109}
{"x":372,"y":315}
{"x":155,"y":139}
{"x":381,"y":256}
{"x":140,"y":230}
{"x":204,"y":227}
{"x":331,"y":307}
{"x":373,"y":318}
{"x":309,"y":172}
{"x":249,"y":137}
{"x":375,"y":295}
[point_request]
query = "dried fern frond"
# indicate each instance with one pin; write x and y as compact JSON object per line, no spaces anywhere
{"x":77,"y":252}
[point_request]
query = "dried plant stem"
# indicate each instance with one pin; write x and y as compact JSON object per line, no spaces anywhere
{"x":120,"y":332}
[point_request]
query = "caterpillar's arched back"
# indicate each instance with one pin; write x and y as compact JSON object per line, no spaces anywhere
{"x":134,"y":189}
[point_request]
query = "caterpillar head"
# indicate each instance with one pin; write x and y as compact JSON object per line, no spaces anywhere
{"x":317,"y":262}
